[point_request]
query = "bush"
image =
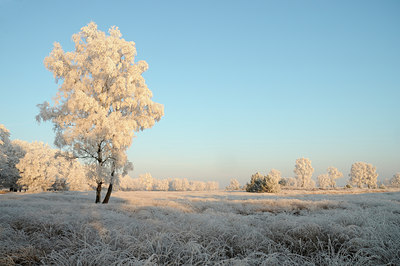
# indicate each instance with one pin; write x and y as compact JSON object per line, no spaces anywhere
{"x":233,"y":185}
{"x":259,"y":183}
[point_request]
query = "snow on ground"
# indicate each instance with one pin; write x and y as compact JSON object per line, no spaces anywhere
{"x":227,"y":228}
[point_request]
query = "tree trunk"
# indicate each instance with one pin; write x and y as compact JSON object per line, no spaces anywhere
{"x":98,"y":192}
{"x":108,"y":195}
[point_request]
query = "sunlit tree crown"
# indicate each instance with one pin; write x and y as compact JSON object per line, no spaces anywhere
{"x":102,"y":99}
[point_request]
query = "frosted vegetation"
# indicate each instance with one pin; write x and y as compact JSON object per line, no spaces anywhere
{"x":268,"y":183}
{"x":102,"y":101}
{"x":225,"y":228}
{"x":363,"y":173}
{"x":149,"y":183}
{"x":233,"y":185}
{"x":36,"y":167}
{"x":395,"y":181}
{"x":304,"y":171}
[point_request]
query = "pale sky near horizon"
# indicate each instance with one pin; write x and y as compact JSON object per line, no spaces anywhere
{"x":247,"y":85}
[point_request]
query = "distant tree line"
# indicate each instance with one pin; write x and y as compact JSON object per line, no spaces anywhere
{"x":149,"y":183}
{"x":38,"y":167}
{"x":361,"y":175}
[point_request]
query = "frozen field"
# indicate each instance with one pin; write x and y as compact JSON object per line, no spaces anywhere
{"x":227,"y":228}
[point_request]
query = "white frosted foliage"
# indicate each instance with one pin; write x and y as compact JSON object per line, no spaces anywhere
{"x":149,"y":183}
{"x":334,"y":174}
{"x":275,"y":175}
{"x":362,"y":173}
{"x":395,"y":181}
{"x":233,"y":184}
{"x":42,"y":169}
{"x":4,"y":135}
{"x":324,"y":181}
{"x":10,"y":154}
{"x":102,"y":100}
{"x":304,"y":171}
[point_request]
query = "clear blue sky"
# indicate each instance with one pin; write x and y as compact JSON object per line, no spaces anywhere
{"x":247,"y":85}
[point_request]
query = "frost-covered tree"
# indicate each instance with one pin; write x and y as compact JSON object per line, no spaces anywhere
{"x":5,"y":147}
{"x":146,"y":181}
{"x":102,"y":100}
{"x":161,"y":185}
{"x":233,"y":185}
{"x":395,"y":181}
{"x":304,"y":171}
{"x":324,"y":181}
{"x":185,"y":184}
{"x":127,"y":183}
{"x":362,"y":173}
{"x":275,"y":175}
{"x":272,"y":181}
{"x":256,"y":183}
{"x":176,"y":184}
{"x":4,"y":135}
{"x":41,"y":169}
{"x":197,"y":186}
{"x":334,"y":174}
{"x":211,"y":185}
{"x":10,"y":154}
{"x":288,"y":182}
{"x":260,"y":183}
{"x":372,"y":176}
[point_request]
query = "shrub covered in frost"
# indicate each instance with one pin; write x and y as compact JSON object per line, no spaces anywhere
{"x":395,"y":181}
{"x":233,"y":185}
{"x":288,"y":182}
{"x":268,"y":183}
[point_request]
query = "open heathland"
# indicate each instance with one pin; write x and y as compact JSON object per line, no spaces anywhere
{"x":294,"y":227}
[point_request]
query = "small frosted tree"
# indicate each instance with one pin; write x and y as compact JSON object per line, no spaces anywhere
{"x":41,"y":169}
{"x":146,"y":181}
{"x":233,"y":185}
{"x":161,"y":185}
{"x":272,"y":181}
{"x":176,"y":184}
{"x":4,"y":135}
{"x":260,"y":183}
{"x":324,"y":181}
{"x":334,"y":174}
{"x":198,"y":186}
{"x":275,"y":175}
{"x":185,"y":184}
{"x":256,"y":183}
{"x":304,"y":171}
{"x":395,"y":181}
{"x":211,"y":185}
{"x":125,"y":183}
{"x":372,"y":176}
{"x":102,"y":100}
{"x":6,"y":175}
{"x":288,"y":182}
{"x":362,"y":173}
{"x":10,"y":154}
